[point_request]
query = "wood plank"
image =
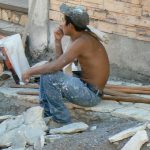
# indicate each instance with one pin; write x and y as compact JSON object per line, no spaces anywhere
{"x":146,"y":88}
{"x":127,"y":99}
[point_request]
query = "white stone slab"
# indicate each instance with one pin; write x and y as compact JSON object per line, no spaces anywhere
{"x":126,"y":133}
{"x":136,"y":142}
{"x":70,"y":128}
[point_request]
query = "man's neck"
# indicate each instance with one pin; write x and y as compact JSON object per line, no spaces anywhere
{"x":75,"y":35}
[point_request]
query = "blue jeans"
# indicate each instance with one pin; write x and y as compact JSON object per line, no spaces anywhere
{"x":56,"y":87}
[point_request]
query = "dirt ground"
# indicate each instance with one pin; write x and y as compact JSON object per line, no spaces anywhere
{"x":96,"y":139}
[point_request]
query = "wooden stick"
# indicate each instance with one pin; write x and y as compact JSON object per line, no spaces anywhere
{"x":135,"y":99}
{"x":106,"y":91}
{"x":144,"y":88}
{"x":127,"y":99}
{"x":34,"y":86}
{"x":115,"y":93}
{"x":132,"y":91}
{"x":28,"y":93}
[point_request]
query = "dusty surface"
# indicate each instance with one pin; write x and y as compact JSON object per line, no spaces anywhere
{"x":96,"y":139}
{"x":101,"y":116}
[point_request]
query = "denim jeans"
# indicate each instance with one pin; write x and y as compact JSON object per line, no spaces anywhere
{"x":56,"y":87}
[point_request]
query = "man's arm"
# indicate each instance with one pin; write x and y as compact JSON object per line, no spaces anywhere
{"x":73,"y":52}
{"x":58,"y":34}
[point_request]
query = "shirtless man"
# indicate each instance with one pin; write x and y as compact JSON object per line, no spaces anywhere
{"x":85,"y":90}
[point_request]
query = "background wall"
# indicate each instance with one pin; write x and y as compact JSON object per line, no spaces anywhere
{"x":129,"y":18}
{"x":125,"y":22}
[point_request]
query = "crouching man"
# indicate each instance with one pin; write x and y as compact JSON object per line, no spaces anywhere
{"x":85,"y":88}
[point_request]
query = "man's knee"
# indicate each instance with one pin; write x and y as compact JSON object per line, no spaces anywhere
{"x":44,"y":77}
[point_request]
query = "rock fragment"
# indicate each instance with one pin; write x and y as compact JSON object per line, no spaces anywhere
{"x":126,"y":133}
{"x":136,"y":142}
{"x":70,"y":128}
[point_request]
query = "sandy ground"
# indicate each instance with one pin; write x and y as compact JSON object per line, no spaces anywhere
{"x":96,"y":139}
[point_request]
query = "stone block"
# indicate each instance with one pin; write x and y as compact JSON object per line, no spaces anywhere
{"x":15,"y":18}
{"x":6,"y":15}
{"x":23,"y":20}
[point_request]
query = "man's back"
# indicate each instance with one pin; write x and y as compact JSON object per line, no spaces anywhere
{"x":94,"y":61}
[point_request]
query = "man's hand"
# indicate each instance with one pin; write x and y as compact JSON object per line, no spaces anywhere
{"x":26,"y":77}
{"x":58,"y":34}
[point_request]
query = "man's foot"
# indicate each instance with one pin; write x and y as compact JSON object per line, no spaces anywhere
{"x":53,"y":124}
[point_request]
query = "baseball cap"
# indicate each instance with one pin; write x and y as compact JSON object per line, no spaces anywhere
{"x":77,"y":14}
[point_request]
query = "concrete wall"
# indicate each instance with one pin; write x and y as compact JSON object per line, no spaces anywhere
{"x":130,"y":58}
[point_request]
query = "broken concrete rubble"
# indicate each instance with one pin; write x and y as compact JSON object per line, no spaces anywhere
{"x":136,"y":142}
{"x":27,"y":129}
{"x":126,"y":133}
{"x":2,"y":118}
{"x":70,"y":128}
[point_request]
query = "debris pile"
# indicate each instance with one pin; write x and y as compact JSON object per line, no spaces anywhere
{"x":29,"y":130}
{"x":139,"y":137}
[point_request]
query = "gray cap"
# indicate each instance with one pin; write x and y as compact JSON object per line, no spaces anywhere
{"x":77,"y":14}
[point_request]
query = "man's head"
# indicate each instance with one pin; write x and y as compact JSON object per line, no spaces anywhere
{"x":77,"y":16}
